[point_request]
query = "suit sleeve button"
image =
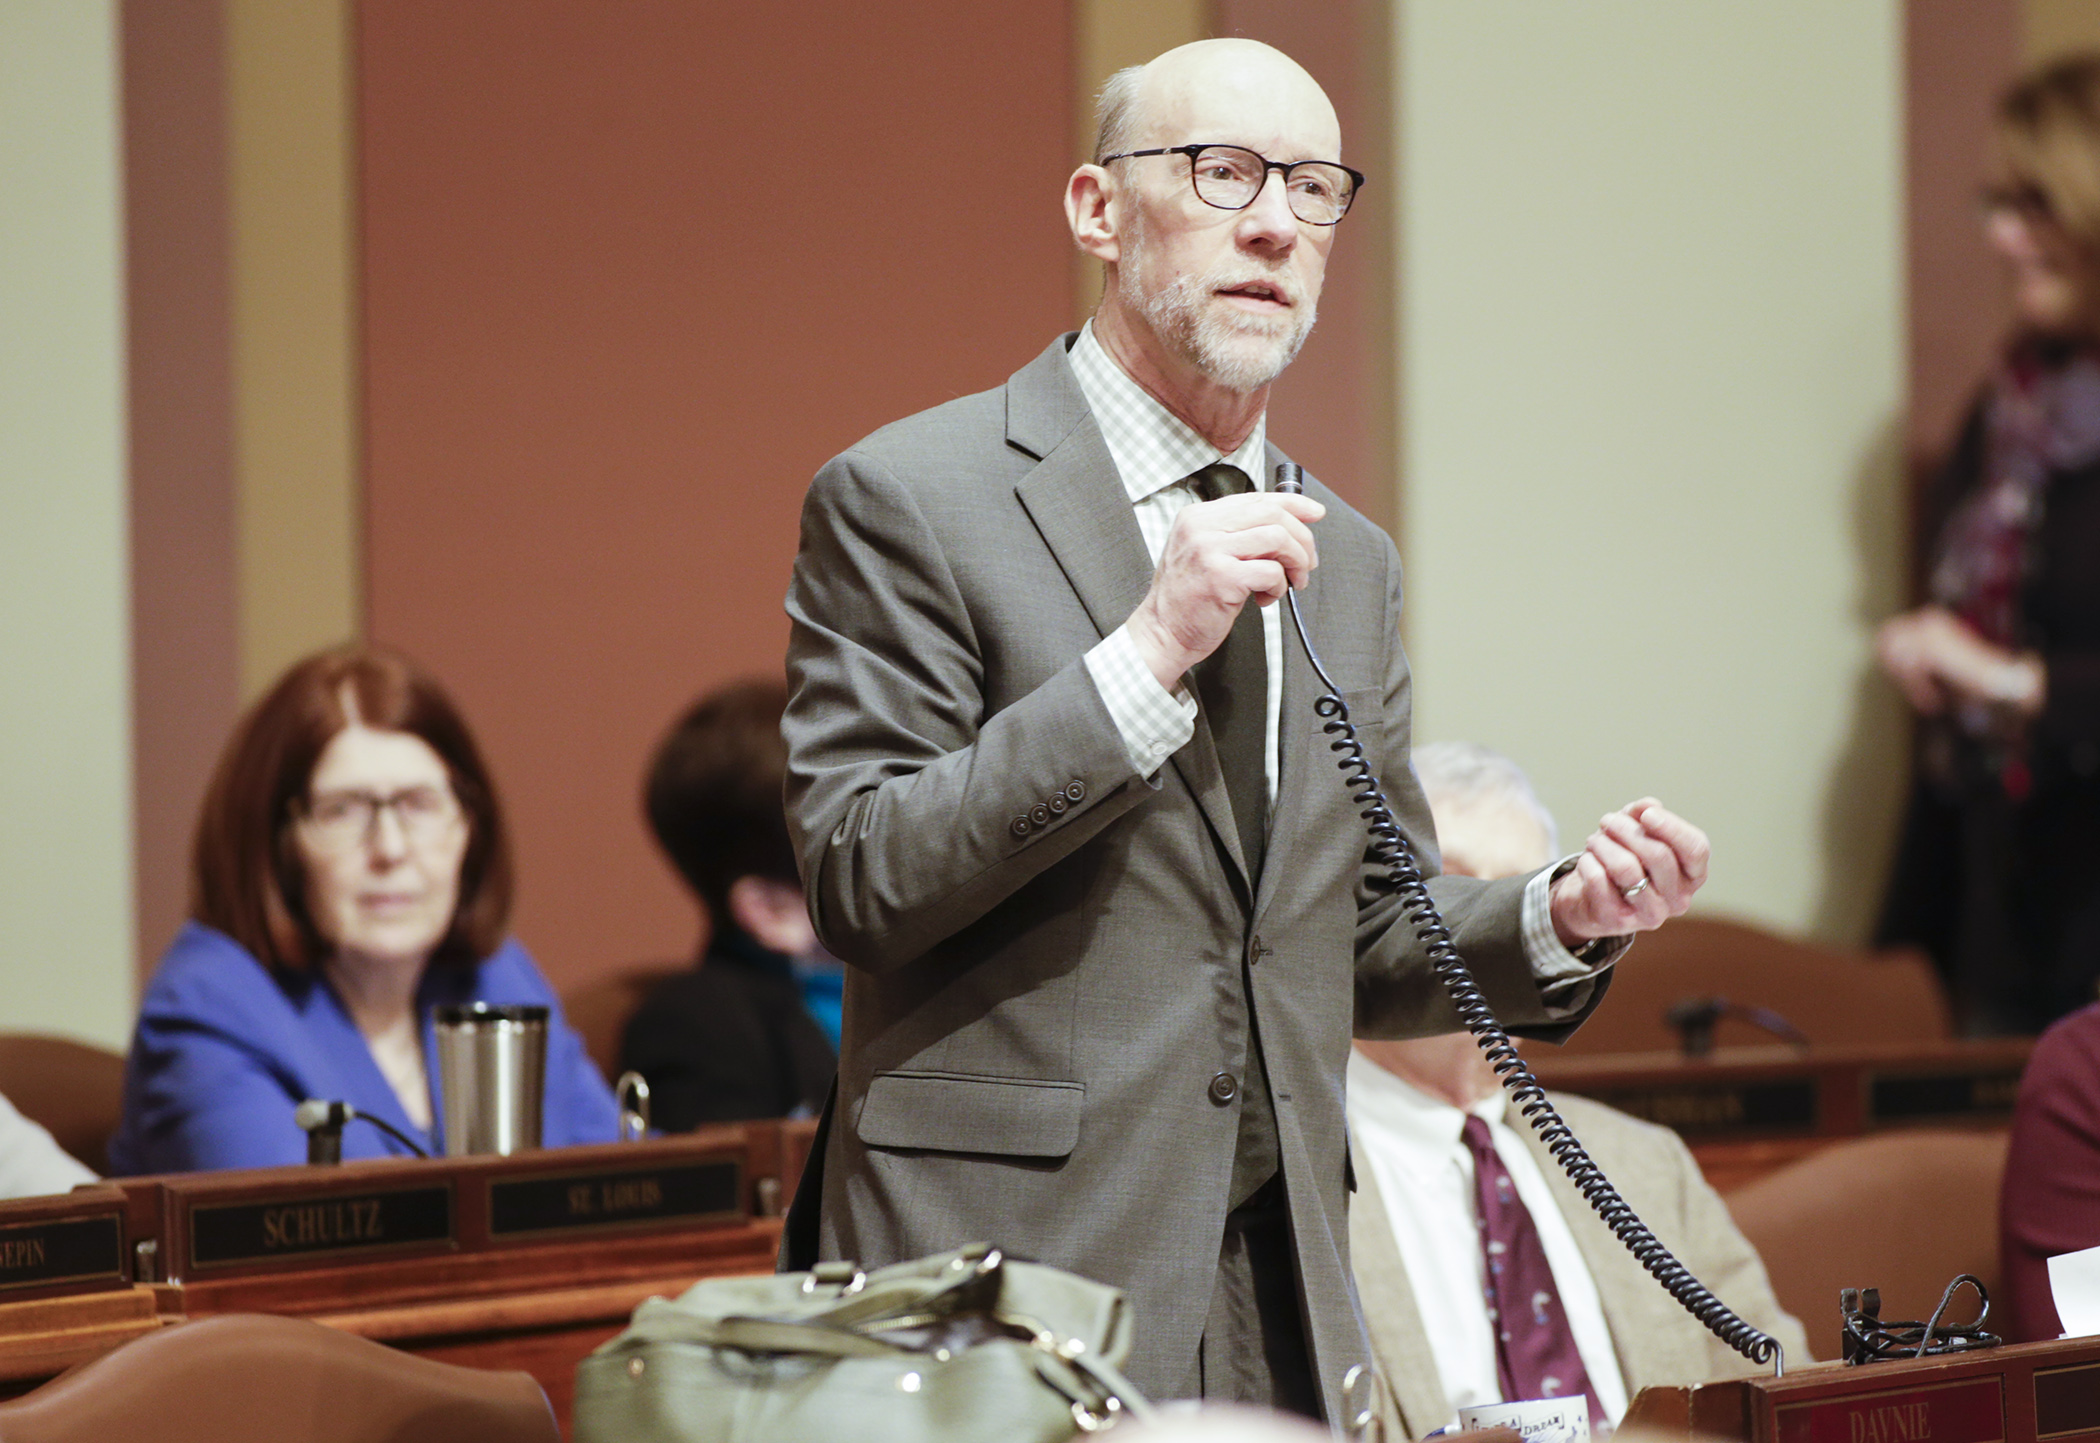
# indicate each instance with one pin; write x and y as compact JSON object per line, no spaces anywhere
{"x":1224,"y":1088}
{"x":1058,"y":803}
{"x":1075,"y":791}
{"x":1039,"y":815}
{"x":1020,"y":826}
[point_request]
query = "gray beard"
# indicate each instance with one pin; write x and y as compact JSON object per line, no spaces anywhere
{"x":1240,"y":352}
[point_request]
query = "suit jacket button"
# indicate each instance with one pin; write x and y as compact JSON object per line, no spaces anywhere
{"x":1058,"y":803}
{"x":1224,"y":1088}
{"x":1020,"y":827}
{"x":1075,"y":791}
{"x":1039,"y":815}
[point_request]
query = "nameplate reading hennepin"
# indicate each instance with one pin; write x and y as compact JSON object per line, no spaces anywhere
{"x":223,"y":1234}
{"x":614,"y":1198}
{"x":76,"y":1250}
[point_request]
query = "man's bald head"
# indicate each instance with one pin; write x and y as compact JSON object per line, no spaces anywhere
{"x":1212,"y":284}
{"x":1143,"y":100}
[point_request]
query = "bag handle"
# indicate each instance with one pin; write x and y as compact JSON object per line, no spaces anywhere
{"x":781,"y":1335}
{"x":1098,"y":1391}
{"x":842,"y":1330}
{"x":859,"y":1306}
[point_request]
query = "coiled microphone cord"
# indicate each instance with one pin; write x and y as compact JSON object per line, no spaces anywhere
{"x":1404,"y":876}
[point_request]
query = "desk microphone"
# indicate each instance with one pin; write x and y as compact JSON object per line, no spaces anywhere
{"x":323,"y":1123}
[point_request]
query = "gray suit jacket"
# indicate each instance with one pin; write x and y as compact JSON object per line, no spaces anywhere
{"x":1656,"y":1340}
{"x":1051,"y":957}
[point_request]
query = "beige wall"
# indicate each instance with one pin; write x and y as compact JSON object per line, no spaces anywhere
{"x":65,"y":865}
{"x":291,"y":163}
{"x":2050,"y":28}
{"x":1108,"y":35}
{"x":1653,"y":340}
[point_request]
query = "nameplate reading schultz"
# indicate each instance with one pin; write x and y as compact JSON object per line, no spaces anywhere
{"x":615,"y":1198}
{"x":223,"y":1234}
{"x":76,"y":1250}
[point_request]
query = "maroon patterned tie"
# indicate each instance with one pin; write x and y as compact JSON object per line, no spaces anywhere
{"x":1535,"y":1353}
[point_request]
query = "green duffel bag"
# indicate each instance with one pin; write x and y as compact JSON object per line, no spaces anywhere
{"x":957,"y":1348}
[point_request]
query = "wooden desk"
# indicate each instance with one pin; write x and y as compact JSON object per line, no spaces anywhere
{"x":520,"y":1263}
{"x":42,"y":1337}
{"x":2016,"y":1394}
{"x":526,"y":1262}
{"x":1747,"y":1111}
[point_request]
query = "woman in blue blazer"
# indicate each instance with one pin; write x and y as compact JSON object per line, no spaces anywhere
{"x":351,"y":874}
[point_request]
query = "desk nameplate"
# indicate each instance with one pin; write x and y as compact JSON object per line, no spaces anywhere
{"x":1695,"y":1108}
{"x":615,"y":1198}
{"x":60,"y":1251}
{"x":2066,"y":1401}
{"x":278,"y":1228}
{"x":1971,"y":1411}
{"x":1926,"y":1096}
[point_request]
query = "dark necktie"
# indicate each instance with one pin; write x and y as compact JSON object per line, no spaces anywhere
{"x":1535,"y":1352}
{"x":1233,"y":684}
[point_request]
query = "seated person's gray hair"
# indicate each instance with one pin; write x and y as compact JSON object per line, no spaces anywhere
{"x":1469,"y":774}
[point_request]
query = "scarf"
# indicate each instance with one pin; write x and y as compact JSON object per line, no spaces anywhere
{"x":2042,"y":415}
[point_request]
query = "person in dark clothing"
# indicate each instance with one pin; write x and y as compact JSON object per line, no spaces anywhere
{"x":731,"y":1039}
{"x":1998,"y":871}
{"x":2049,"y":1202}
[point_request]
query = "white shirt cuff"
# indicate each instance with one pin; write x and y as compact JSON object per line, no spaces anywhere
{"x":1551,"y":963}
{"x":1153,"y":722}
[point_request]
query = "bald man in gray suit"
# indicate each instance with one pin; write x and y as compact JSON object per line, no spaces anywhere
{"x":1062,"y":803}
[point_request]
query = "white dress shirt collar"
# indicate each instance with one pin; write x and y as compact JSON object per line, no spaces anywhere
{"x":1407,"y":1109}
{"x":1411,"y":1143}
{"x":1152,"y":447}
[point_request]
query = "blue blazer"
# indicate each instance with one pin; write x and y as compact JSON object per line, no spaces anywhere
{"x":225,"y":1050}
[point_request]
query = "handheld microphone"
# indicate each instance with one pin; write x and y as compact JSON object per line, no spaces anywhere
{"x":323,"y":1120}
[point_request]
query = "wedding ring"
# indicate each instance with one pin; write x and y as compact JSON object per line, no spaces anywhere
{"x":1635,"y":890}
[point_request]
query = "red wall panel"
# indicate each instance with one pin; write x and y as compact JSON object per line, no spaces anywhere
{"x":631,"y":272}
{"x":184,"y":622}
{"x":1958,"y":56}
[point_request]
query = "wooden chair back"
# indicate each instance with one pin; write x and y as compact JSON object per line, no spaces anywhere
{"x":75,"y":1090}
{"x":1837,"y":997}
{"x":247,"y":1378}
{"x":600,"y":1008}
{"x":1904,"y":1212}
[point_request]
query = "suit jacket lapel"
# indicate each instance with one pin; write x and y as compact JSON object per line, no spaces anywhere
{"x":1399,"y":1341}
{"x":1076,"y":500}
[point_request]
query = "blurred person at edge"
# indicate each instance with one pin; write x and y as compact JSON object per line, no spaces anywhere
{"x":1415,"y":1231}
{"x":2049,"y":1199}
{"x":351,"y":874}
{"x":31,"y":1161}
{"x":735,"y":1037}
{"x":1998,"y":871}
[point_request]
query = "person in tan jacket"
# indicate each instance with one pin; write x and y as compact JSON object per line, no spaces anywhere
{"x":1429,"y":1268}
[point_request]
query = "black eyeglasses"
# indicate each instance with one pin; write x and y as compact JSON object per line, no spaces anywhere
{"x":1231,"y":176}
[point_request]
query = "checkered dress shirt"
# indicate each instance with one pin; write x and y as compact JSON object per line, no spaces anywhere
{"x":1155,"y":453}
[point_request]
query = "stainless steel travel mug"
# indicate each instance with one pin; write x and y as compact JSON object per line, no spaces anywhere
{"x":492,"y":1077}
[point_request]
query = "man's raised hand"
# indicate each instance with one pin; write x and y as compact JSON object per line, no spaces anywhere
{"x":1219,"y":555}
{"x":1637,"y":870}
